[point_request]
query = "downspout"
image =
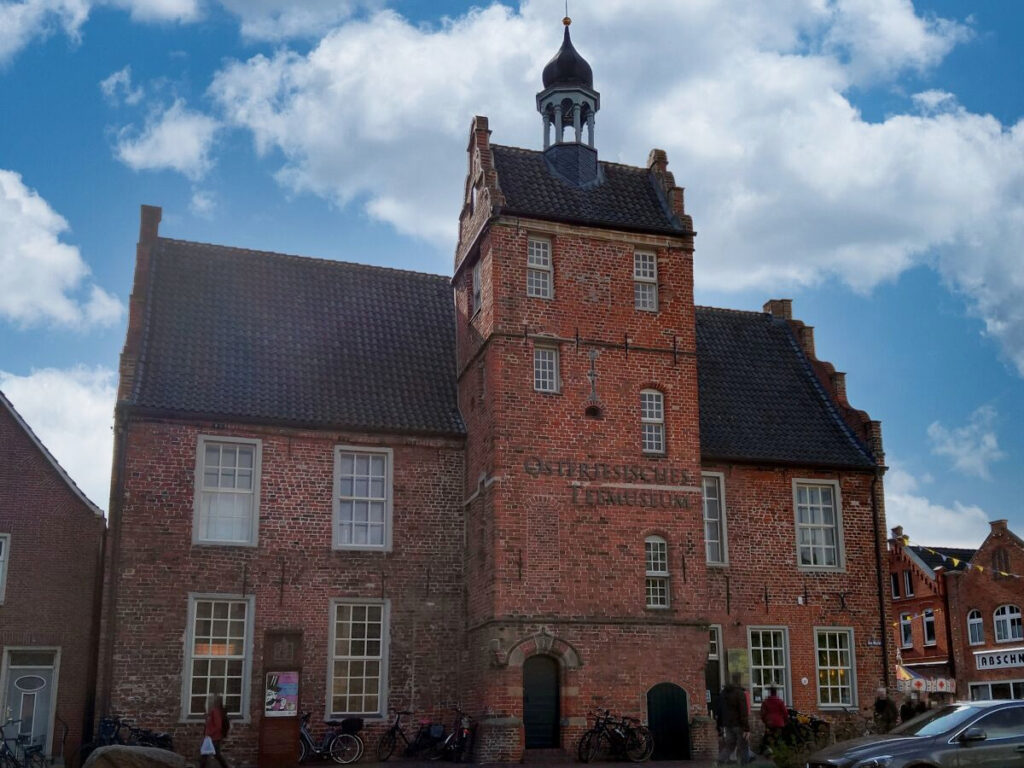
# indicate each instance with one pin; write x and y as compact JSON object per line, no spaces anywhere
{"x":878,"y":574}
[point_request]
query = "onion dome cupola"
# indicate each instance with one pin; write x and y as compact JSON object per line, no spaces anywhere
{"x":568,"y":99}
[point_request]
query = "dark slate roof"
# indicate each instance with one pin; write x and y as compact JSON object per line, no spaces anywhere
{"x":567,"y":67}
{"x":760,"y":399}
{"x":269,"y":337}
{"x":932,"y":556}
{"x":625,"y":197}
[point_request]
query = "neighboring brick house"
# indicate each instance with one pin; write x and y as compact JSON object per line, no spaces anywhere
{"x":51,"y":546}
{"x":509,"y":502}
{"x":977,"y":597}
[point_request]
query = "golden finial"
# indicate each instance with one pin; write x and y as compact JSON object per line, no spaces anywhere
{"x":567,"y":21}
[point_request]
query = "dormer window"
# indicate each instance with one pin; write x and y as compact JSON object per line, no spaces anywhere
{"x":539,"y":282}
{"x":645,"y":281}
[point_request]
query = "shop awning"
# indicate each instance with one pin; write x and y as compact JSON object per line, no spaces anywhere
{"x":928,"y":680}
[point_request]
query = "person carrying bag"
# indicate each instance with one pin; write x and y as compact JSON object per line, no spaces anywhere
{"x":216,"y":719}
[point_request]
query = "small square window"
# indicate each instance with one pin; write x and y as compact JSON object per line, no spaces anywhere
{"x":645,"y":281}
{"x":539,"y":281}
{"x":545,"y":369}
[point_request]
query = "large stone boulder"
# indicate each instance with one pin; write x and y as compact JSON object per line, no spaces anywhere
{"x":120,"y":756}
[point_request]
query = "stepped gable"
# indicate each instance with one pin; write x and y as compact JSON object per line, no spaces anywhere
{"x":760,"y":399}
{"x":257,"y":336}
{"x":623,"y":196}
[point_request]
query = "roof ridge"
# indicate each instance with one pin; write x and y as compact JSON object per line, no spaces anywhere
{"x":730,"y":311}
{"x":34,"y":438}
{"x":299,"y":257}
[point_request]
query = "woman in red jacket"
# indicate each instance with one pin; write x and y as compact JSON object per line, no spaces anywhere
{"x":215,"y":719}
{"x":774,"y":715}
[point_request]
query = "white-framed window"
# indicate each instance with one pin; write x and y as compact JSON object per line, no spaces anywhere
{"x":362,"y":497}
{"x":652,"y":421}
{"x":645,"y":281}
{"x":227,"y":500}
{"x":545,"y":369}
{"x":656,"y":561}
{"x":769,"y":662}
{"x":475,"y":297}
{"x":928,"y":620}
{"x":539,"y":272}
{"x":715,"y":538}
{"x":357,"y":675}
{"x":975,"y":627}
{"x":908,"y":584}
{"x":218,"y":654}
{"x":1008,"y":624}
{"x":1007,"y":689}
{"x":5,"y":554}
{"x":906,"y":630}
{"x":835,"y":665}
{"x":819,"y":530}
{"x":714,"y":643}
{"x":894,"y":581}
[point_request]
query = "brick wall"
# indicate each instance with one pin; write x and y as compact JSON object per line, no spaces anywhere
{"x":52,"y":575}
{"x":159,"y":566}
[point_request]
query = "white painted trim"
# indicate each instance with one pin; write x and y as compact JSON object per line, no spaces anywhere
{"x":840,"y":566}
{"x":553,"y":348}
{"x":49,"y":456}
{"x":647,"y":280}
{"x":980,"y":621}
{"x":5,"y":668}
{"x":853,"y":667}
{"x":385,"y":654}
{"x":257,"y":479}
{"x":5,"y":556}
{"x":665,"y":575}
{"x":1006,"y":619}
{"x":186,"y":672}
{"x":789,"y":665}
{"x":550,"y":269}
{"x":720,"y":476}
{"x":389,"y":483}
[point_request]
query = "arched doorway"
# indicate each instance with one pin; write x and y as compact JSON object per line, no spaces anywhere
{"x":540,"y":702}
{"x":668,"y":719}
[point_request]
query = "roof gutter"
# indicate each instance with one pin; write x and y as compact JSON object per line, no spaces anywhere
{"x":773,"y":462}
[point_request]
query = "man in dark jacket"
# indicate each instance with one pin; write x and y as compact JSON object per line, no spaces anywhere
{"x":734,"y":722}
{"x":885,"y":712}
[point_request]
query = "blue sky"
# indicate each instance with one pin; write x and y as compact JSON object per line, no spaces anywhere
{"x":864,"y":157}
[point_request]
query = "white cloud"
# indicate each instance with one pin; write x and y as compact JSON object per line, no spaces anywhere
{"x":72,"y":413}
{"x":42,"y":275}
{"x":972,"y":447}
{"x":117,"y":87}
{"x":159,"y":10}
{"x":284,"y":19}
{"x":21,"y":22}
{"x":788,"y":184}
{"x":176,"y":139}
{"x":202,"y":203}
{"x":926,"y":522}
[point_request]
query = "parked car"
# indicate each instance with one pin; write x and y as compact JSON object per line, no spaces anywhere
{"x":967,"y":734}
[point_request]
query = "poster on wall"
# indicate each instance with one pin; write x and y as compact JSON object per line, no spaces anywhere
{"x":282,"y":698}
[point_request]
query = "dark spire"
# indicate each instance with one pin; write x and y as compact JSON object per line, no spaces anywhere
{"x":568,"y":67}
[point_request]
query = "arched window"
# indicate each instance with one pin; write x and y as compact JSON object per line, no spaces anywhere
{"x":656,"y":557}
{"x":1008,"y":626}
{"x":975,"y":628}
{"x":652,"y":421}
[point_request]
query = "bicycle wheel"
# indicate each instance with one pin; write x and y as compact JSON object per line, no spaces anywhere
{"x":640,"y":744}
{"x":303,"y":750}
{"x":439,"y":748}
{"x":344,"y":748}
{"x":386,"y":745}
{"x":583,"y":748}
{"x":599,"y":745}
{"x":36,"y":760}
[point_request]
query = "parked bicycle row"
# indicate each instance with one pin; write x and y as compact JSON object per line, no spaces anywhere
{"x":16,"y":749}
{"x":119,"y":730}
{"x":614,"y":737}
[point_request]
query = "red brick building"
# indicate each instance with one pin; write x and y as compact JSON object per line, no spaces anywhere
{"x":510,"y":503}
{"x":51,"y":544}
{"x":975,"y":597}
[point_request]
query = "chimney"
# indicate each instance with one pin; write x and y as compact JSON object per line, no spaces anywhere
{"x":780,"y":308}
{"x":149,"y":224}
{"x":839,"y":386}
{"x":806,"y":335}
{"x":149,"y":232}
{"x":897,"y":533}
{"x":657,"y":164}
{"x":998,"y":527}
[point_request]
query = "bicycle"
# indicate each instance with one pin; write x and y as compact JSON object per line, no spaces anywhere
{"x":457,"y":743}
{"x":427,"y":737}
{"x":31,"y":754}
{"x":341,"y":742}
{"x":622,"y":737}
{"x":111,"y":731}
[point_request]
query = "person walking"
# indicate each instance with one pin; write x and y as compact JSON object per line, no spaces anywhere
{"x":216,"y":730}
{"x":774,"y":715}
{"x":885,"y":711}
{"x":734,"y":722}
{"x":907,"y":710}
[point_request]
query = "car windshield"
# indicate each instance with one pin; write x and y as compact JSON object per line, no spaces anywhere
{"x":937,"y":721}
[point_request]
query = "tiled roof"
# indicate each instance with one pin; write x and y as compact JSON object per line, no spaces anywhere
{"x":264,"y":336}
{"x":933,"y":559}
{"x":759,"y":398}
{"x":626,"y":197}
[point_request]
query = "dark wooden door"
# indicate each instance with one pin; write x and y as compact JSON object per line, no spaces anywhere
{"x":667,"y":717}
{"x":540,"y":702}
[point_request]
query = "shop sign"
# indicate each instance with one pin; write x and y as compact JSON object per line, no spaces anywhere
{"x":1011,"y":657}
{"x":604,"y":484}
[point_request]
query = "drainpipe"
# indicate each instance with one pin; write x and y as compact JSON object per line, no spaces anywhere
{"x":878,"y":573}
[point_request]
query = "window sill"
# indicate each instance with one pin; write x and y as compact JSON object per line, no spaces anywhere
{"x":821,"y":569}
{"x":1008,"y":640}
{"x":212,"y":543}
{"x":547,"y":391}
{"x":356,"y":548}
{"x":660,"y":608}
{"x":713,"y":564}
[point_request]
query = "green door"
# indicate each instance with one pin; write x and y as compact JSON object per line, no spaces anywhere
{"x":667,"y":717}
{"x":540,"y":702}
